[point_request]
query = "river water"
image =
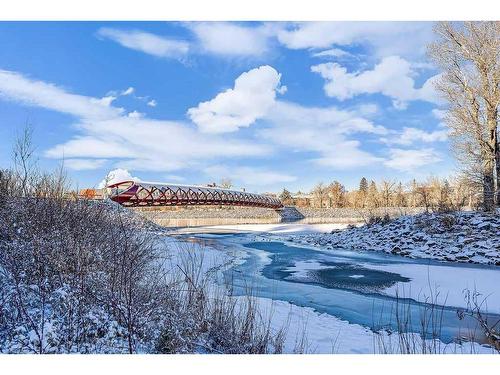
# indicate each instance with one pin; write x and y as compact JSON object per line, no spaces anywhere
{"x":372,"y":289}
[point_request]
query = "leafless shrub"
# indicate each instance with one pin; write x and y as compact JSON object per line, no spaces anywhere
{"x":429,"y":318}
{"x":448,"y":221}
{"x":405,"y":340}
{"x":212,"y":320}
{"x":476,"y":303}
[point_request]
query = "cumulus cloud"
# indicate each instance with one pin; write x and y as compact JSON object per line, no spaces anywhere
{"x":135,"y":114}
{"x":290,"y":125}
{"x":252,"y":96}
{"x":229,"y":39}
{"x":115,"y":176}
{"x":392,"y":77}
{"x":152,"y":103}
{"x":409,"y":160}
{"x":151,"y":44}
{"x":113,"y":95}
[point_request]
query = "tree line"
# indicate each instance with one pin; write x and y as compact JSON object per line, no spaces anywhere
{"x":433,"y":193}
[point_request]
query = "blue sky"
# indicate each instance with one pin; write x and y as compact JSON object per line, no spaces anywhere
{"x":269,"y":105}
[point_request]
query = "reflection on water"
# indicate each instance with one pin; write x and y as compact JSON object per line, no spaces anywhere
{"x":200,"y":222}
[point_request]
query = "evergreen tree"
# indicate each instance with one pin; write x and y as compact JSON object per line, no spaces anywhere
{"x":363,"y":185}
{"x":285,"y":197}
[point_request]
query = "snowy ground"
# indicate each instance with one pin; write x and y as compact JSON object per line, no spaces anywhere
{"x":287,"y":228}
{"x":469,"y":237}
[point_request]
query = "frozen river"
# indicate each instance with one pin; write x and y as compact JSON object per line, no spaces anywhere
{"x":362,"y":288}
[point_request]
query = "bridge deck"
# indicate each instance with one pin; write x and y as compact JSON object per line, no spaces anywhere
{"x":134,"y":194}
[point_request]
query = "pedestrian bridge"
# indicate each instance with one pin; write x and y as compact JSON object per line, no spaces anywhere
{"x":140,"y":194}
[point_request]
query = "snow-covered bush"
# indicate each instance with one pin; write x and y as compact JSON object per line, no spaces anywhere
{"x":77,"y":276}
{"x":86,"y":277}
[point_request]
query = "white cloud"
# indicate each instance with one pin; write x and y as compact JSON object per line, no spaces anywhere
{"x":439,"y":113}
{"x":409,"y":160}
{"x":410,"y":135}
{"x":14,"y":86}
{"x":84,"y":164}
{"x":107,"y":100}
{"x":325,"y":131}
{"x":147,"y":144}
{"x":115,"y":176}
{"x":128,"y":91}
{"x":152,"y":103}
{"x":253,"y":95}
{"x":292,"y":126}
{"x":386,"y":38}
{"x":334,"y":52}
{"x":347,"y":154}
{"x":229,"y":39}
{"x":392,"y":77}
{"x":135,"y":114}
{"x":146,"y":42}
{"x":249,"y":176}
{"x":105,"y":132}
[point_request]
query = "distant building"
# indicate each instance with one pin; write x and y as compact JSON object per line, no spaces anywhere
{"x":302,"y":199}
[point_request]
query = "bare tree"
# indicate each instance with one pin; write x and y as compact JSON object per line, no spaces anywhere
{"x":387,"y":191}
{"x":336,"y":194}
{"x":469,"y":55}
{"x":424,"y":192}
{"x":320,"y":194}
{"x":25,"y":163}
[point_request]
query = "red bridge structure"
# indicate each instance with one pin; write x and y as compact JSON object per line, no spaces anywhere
{"x":141,"y":194}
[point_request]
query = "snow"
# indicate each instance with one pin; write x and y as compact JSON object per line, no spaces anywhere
{"x":450,"y":282}
{"x":301,"y":268}
{"x":470,"y":237}
{"x":273,"y":228}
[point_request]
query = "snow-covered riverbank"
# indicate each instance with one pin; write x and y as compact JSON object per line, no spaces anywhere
{"x":470,"y":237}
